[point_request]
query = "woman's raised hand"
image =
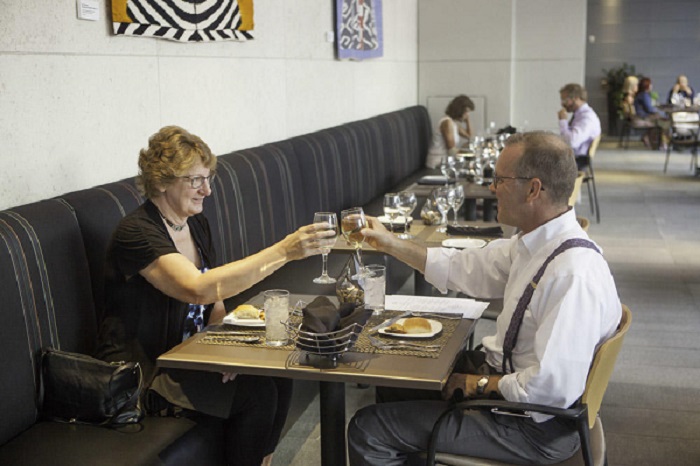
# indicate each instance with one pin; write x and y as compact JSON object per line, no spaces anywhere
{"x":308,"y":240}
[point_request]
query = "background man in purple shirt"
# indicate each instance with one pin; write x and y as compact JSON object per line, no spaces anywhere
{"x":583,"y":126}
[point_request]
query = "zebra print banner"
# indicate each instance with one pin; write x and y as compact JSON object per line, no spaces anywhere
{"x":184,"y":20}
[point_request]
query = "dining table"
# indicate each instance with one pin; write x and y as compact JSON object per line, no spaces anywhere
{"x":364,"y":363}
{"x":473,"y":192}
{"x":433,"y":236}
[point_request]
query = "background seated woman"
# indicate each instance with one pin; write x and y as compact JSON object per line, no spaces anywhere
{"x":450,"y":134}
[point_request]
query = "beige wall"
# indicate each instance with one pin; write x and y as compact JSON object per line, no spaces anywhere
{"x":516,"y":54}
{"x":77,"y":103}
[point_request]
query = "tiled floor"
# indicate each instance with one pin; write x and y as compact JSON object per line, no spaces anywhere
{"x":650,"y":233}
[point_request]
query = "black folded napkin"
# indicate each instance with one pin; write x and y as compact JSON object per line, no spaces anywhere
{"x":322,"y":316}
{"x":466,"y":230}
{"x":435,"y":180}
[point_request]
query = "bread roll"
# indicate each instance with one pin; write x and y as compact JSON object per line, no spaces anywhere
{"x":417,"y":325}
{"x":246,"y":311}
{"x":395,"y":328}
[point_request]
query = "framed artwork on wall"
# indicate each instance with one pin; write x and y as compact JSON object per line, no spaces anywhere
{"x":358,"y":29}
{"x":184,"y":20}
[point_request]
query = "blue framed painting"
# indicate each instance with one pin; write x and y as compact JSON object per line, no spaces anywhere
{"x":358,"y":27}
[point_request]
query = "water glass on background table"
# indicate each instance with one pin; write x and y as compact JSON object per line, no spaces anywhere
{"x":332,"y":220}
{"x":276,"y":314}
{"x":374,"y":284}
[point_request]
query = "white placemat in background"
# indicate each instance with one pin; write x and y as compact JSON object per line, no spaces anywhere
{"x":469,"y":308}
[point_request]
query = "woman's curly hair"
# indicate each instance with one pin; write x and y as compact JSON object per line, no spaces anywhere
{"x":170,"y":153}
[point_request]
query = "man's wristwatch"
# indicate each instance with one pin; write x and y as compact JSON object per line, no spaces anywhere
{"x":481,"y":384}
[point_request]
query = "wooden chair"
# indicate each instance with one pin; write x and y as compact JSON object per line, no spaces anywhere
{"x":577,"y":189}
{"x":584,"y":222}
{"x":585,"y":412}
{"x":684,"y":133}
{"x":589,"y":178}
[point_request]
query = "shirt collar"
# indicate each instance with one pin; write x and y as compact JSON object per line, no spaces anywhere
{"x":544,"y":234}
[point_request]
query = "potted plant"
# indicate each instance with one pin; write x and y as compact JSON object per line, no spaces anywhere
{"x":612,"y":83}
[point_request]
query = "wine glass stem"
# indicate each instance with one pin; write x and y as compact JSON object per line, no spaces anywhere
{"x":361,"y":266}
{"x":324,"y":272}
{"x":405,"y":223}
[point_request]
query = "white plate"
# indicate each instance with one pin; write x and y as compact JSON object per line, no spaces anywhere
{"x":400,"y":220}
{"x":435,"y":328}
{"x":464,"y":243}
{"x":232,"y":320}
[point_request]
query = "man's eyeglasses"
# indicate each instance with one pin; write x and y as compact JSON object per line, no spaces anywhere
{"x":499,"y":179}
{"x":197,"y":181}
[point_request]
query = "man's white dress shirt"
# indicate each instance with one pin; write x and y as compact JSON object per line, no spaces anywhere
{"x":573,"y":310}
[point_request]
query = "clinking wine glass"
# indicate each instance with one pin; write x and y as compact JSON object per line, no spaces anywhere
{"x":328,"y":242}
{"x":352,"y":221}
{"x":407,"y":203}
{"x":391,"y":210}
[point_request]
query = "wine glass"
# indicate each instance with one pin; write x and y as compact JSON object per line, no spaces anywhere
{"x":443,"y":199}
{"x":407,"y":202}
{"x":447,"y":165}
{"x":391,"y":210}
{"x":352,"y":221}
{"x":457,"y":201}
{"x":328,"y":242}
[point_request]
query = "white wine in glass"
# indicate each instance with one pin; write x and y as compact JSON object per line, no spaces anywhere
{"x":352,"y":221}
{"x":332,"y":220}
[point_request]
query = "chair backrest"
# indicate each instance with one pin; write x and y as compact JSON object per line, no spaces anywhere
{"x":594,"y":146}
{"x":602,"y":367}
{"x":577,"y":188}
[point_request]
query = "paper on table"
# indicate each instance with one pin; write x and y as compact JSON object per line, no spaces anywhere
{"x":469,"y":308}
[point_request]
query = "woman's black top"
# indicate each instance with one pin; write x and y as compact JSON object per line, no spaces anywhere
{"x":141,"y":322}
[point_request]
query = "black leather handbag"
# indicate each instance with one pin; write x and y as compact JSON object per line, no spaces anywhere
{"x":77,"y":388}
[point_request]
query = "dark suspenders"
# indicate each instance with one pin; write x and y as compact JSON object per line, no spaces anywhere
{"x":511,"y":337}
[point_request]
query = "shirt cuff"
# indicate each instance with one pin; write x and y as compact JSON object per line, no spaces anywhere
{"x":436,"y":273}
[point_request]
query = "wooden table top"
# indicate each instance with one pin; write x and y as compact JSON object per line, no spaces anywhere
{"x":369,"y":368}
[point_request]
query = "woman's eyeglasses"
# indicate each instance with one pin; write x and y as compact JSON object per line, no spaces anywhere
{"x":197,"y":181}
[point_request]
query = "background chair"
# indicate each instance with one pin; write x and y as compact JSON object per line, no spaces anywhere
{"x":589,"y":178}
{"x":585,"y":412}
{"x":583,"y":221}
{"x":633,"y":125}
{"x":576,"y":193}
{"x":684,"y":133}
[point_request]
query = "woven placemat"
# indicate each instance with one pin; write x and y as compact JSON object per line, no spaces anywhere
{"x":362,"y":345}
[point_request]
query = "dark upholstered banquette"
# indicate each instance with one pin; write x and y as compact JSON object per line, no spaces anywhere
{"x":51,"y":268}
